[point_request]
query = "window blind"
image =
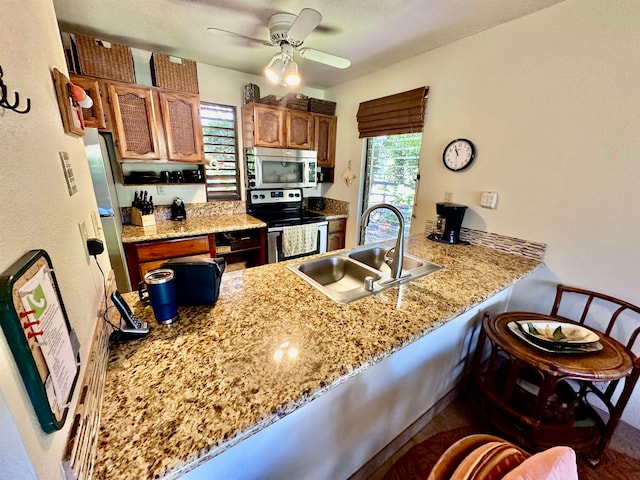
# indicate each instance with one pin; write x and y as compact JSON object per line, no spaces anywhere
{"x":394,"y":114}
{"x":219,"y":134}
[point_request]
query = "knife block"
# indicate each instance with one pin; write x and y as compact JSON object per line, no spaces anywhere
{"x":137,"y":218}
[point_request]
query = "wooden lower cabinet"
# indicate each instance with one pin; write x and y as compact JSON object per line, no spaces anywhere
{"x":336,"y":234}
{"x":242,"y":248}
{"x":246,"y":248}
{"x":145,"y":256}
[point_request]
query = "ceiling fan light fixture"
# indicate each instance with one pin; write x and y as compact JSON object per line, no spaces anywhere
{"x":275,"y":69}
{"x":291,"y":76}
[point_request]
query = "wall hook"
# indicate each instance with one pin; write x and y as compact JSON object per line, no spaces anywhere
{"x":4,"y":101}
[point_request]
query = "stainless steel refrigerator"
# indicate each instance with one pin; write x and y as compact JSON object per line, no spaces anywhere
{"x":100,"y":151}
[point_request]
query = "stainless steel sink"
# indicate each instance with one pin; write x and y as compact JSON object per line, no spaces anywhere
{"x":375,"y":258}
{"x":349,"y":276}
{"x":338,"y":277}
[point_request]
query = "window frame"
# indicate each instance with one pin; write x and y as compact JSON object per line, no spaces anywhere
{"x":381,"y":220}
{"x":210,"y":172}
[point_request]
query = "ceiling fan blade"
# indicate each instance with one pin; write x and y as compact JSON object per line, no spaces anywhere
{"x":235,"y":34}
{"x":323,"y":57}
{"x":308,"y":19}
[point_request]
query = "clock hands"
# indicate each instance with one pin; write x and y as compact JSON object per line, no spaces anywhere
{"x":465,"y":153}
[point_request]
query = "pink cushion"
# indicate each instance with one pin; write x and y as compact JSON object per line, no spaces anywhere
{"x":556,"y":463}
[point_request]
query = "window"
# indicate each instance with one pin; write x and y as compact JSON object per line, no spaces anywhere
{"x":391,"y":172}
{"x":222,"y":174}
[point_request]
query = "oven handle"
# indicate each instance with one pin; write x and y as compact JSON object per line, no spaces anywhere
{"x":273,"y":233}
{"x":279,"y":229}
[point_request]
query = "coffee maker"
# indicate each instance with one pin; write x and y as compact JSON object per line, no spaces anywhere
{"x":448,"y":223}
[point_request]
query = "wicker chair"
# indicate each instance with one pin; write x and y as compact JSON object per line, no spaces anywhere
{"x":485,"y":457}
{"x":592,"y":309}
{"x":474,"y":455}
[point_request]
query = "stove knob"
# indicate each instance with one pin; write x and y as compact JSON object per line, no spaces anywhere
{"x":291,"y":194}
{"x":261,"y":196}
{"x":297,"y":194}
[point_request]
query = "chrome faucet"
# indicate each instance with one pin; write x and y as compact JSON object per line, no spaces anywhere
{"x":398,"y":250}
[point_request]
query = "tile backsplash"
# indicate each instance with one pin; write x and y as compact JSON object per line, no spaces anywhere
{"x":502,"y":243}
{"x":163,"y":212}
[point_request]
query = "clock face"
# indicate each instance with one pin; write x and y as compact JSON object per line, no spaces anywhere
{"x":459,"y":154}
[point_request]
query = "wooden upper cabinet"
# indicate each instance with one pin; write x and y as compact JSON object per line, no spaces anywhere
{"x":134,"y":117}
{"x":299,"y":130}
{"x":270,"y":126}
{"x":262,"y":126}
{"x":94,"y":117}
{"x":182,"y":128}
{"x":325,"y":139}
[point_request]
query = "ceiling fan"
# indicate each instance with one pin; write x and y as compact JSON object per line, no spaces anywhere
{"x":288,"y":32}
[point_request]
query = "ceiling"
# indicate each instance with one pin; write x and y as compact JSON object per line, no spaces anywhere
{"x":372,"y":34}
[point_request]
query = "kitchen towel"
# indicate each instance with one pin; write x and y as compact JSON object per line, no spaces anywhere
{"x":299,"y":239}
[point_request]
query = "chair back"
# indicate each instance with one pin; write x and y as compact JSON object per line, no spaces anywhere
{"x":614,"y":317}
{"x":474,"y":456}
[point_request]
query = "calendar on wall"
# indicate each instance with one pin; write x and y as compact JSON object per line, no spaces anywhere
{"x":37,"y":329}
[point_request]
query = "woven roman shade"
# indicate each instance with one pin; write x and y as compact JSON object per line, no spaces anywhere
{"x":393,"y":115}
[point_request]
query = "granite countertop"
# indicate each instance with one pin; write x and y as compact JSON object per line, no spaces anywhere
{"x":331,"y":215}
{"x":193,"y":225}
{"x":271,"y":343}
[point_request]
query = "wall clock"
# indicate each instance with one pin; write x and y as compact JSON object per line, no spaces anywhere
{"x":459,"y":154}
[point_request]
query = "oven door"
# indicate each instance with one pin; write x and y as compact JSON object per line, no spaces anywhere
{"x":274,"y":243}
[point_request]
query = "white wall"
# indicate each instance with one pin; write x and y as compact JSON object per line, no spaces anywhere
{"x":37,"y":212}
{"x":217,"y":85}
{"x":551,"y":102}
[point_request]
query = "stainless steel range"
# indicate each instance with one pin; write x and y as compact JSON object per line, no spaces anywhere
{"x":292,"y":231}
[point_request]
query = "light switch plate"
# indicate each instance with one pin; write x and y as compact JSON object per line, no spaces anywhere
{"x":489,"y":199}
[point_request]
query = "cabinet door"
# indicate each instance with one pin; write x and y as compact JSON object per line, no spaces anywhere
{"x":145,"y":267}
{"x":336,"y":234}
{"x":94,"y":117}
{"x":182,"y":127}
{"x":325,"y":139}
{"x":180,"y":247}
{"x":335,"y":241}
{"x":268,"y":126}
{"x":145,"y":256}
{"x":134,"y":117}
{"x":299,"y":130}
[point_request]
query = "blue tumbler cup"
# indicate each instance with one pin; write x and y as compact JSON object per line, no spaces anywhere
{"x":161,"y":293}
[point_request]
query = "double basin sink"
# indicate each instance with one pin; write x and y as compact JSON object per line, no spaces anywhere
{"x":349,"y":276}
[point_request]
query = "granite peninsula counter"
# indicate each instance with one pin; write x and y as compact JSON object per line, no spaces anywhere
{"x":270,"y":345}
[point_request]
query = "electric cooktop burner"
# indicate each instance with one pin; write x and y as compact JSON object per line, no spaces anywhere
{"x":280,"y":207}
{"x":282,"y":218}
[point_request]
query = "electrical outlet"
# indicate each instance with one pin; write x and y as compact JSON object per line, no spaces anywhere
{"x":83,"y":232}
{"x":97,"y":224}
{"x":160,"y":189}
{"x":448,"y":196}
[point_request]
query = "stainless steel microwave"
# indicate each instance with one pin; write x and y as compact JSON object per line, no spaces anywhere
{"x":280,"y":168}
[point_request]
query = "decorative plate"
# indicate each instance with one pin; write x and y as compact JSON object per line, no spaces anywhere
{"x":558,"y":333}
{"x":553,"y":347}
